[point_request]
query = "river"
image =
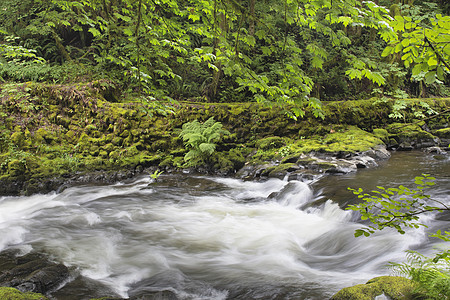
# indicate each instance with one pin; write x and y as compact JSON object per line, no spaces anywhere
{"x":223,"y":238}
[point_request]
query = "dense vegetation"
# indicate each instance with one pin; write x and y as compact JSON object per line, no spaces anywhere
{"x":277,"y":52}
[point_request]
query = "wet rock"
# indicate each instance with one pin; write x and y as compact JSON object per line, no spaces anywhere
{"x":17,"y":186}
{"x":342,"y":167}
{"x":304,"y":175}
{"x":31,"y":272}
{"x":380,"y":153}
{"x":405,"y":146}
{"x":85,"y":288}
{"x":363,"y":162}
{"x":161,"y":295}
{"x":436,"y":150}
{"x":281,"y":170}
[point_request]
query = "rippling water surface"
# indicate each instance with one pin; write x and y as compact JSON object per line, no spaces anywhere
{"x":221,"y":238}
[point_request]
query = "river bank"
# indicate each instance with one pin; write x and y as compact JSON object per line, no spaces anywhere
{"x":212,"y":237}
{"x":55,"y":136}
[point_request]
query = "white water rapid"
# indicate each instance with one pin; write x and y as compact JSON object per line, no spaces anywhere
{"x":204,"y":237}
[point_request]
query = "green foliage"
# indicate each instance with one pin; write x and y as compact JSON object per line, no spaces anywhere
{"x":155,"y":175}
{"x":201,"y":139}
{"x":419,"y":110}
{"x":396,"y":207}
{"x":290,"y":54}
{"x":399,"y":208}
{"x":421,"y":41}
{"x":432,"y":277}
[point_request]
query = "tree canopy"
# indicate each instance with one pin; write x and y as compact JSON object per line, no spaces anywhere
{"x":292,"y":53}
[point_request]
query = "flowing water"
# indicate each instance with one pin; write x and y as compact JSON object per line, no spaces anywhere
{"x":222,"y":238}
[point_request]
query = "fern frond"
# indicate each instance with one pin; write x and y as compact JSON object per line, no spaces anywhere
{"x":192,"y":157}
{"x":214,"y":137}
{"x":432,"y":277}
{"x":201,"y":138}
{"x":207,"y":148}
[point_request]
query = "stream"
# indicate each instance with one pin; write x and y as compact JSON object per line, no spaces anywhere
{"x":222,"y":238}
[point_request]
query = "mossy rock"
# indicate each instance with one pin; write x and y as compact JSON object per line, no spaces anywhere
{"x":18,"y":138}
{"x":408,"y":131}
{"x":443,"y":133}
{"x":132,"y":151}
{"x":42,"y":135}
{"x":70,"y":136}
{"x":7,"y":293}
{"x":117,"y":141}
{"x":270,"y":143}
{"x":382,"y":134}
{"x":17,"y":167}
{"x":397,"y":288}
{"x":280,"y":171}
{"x":351,"y":140}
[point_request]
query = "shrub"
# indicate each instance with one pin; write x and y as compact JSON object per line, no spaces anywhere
{"x":200,"y":139}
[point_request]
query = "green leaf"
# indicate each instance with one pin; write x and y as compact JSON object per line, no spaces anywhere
{"x":387,"y":51}
{"x":94,"y":31}
{"x":317,"y":62}
{"x":127,"y":31}
{"x":417,"y":69}
{"x":432,"y":61}
{"x":440,"y":73}
{"x":430,"y":77}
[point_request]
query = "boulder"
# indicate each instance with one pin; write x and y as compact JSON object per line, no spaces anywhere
{"x":392,"y":287}
{"x":32,"y":272}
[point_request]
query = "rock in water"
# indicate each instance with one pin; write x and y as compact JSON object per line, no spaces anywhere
{"x":32,"y":272}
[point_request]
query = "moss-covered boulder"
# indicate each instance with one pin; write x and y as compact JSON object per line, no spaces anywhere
{"x":395,"y":287}
{"x":443,"y":133}
{"x":410,"y":136}
{"x":280,"y":170}
{"x":270,"y":142}
{"x":7,"y":293}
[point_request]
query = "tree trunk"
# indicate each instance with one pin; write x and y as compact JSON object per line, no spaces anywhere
{"x":60,"y":46}
{"x":251,"y":26}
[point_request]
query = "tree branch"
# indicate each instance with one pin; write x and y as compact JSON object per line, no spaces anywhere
{"x":439,"y":56}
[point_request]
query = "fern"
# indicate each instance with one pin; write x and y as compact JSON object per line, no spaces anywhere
{"x":431,"y":276}
{"x":201,"y":139}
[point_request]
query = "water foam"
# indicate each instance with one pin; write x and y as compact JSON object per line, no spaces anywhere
{"x":217,"y":241}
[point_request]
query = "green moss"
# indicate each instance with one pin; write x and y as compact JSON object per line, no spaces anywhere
{"x":18,"y":138}
{"x":408,"y":131}
{"x":120,"y":135}
{"x":7,"y":293}
{"x":132,"y":151}
{"x":270,"y":143}
{"x":117,"y":141}
{"x":108,"y":147}
{"x":44,"y":136}
{"x":443,"y":133}
{"x":382,"y":134}
{"x":350,"y":140}
{"x":124,"y":133}
{"x":397,"y":288}
{"x":70,"y":136}
{"x":280,"y":170}
{"x":17,"y":167}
